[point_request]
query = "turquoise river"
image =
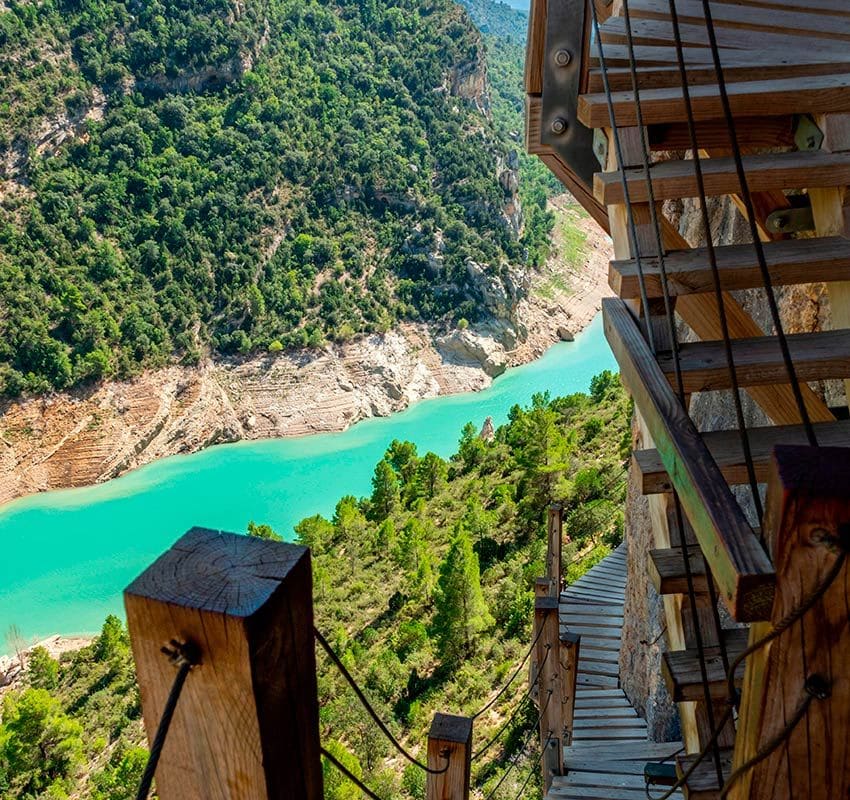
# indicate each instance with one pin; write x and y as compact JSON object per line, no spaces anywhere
{"x":66,"y":555}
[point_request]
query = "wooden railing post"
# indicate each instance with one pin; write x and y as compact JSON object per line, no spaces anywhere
{"x":550,"y":683}
{"x":807,"y":512}
{"x":569,"y":653}
{"x":246,"y":725}
{"x":450,"y":738}
{"x":553,"y":549}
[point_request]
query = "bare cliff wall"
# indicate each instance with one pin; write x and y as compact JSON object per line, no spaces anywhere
{"x":802,"y":308}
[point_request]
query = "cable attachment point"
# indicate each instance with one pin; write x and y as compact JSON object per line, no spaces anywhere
{"x":818,"y":687}
{"x":182,"y":653}
{"x":836,"y":543}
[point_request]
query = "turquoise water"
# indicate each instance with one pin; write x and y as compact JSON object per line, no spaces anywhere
{"x":66,"y":555}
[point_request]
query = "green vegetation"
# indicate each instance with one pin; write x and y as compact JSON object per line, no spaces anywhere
{"x":277,"y":178}
{"x":424,"y":589}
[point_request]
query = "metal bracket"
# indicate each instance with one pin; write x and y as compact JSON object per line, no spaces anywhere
{"x":600,"y":147}
{"x":791,"y":220}
{"x":561,"y":129}
{"x":807,"y":135}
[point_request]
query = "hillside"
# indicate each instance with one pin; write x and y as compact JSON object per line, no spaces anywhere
{"x":384,"y":566}
{"x":239,"y":178}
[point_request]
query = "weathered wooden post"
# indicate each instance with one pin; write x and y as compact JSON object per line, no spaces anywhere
{"x":569,"y":653}
{"x":246,"y":726}
{"x":802,"y":674}
{"x":550,"y":682}
{"x":450,"y":738}
{"x":553,"y":549}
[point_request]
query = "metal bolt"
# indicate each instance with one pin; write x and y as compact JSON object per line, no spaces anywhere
{"x":563,"y":57}
{"x":559,"y":125}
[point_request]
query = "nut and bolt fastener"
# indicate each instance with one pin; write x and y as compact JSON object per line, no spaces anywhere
{"x":559,"y":125}
{"x":562,"y":58}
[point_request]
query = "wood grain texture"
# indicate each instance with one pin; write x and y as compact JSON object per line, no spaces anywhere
{"x":550,"y":686}
{"x":667,"y":571}
{"x":808,"y":501}
{"x":727,"y":453}
{"x":554,"y":530}
{"x":742,"y":571}
{"x":792,"y":261}
{"x":676,"y":179}
{"x":682,"y":674}
{"x":450,"y":737}
{"x":758,"y":362}
{"x":246,"y":726}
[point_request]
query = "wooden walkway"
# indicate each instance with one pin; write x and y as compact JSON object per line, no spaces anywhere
{"x":609,"y":750}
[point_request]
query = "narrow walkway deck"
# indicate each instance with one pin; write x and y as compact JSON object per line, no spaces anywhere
{"x":610,"y":748}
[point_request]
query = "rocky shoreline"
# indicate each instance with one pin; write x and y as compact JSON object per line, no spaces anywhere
{"x":89,"y":436}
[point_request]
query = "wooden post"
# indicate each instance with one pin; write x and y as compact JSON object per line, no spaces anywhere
{"x":806,"y":514}
{"x":553,"y":548}
{"x":550,"y":682}
{"x":450,"y":737}
{"x":247,"y":722}
{"x":570,"y":648}
{"x":545,"y":587}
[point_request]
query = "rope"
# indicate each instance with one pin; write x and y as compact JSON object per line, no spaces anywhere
{"x":524,"y":745}
{"x":348,"y":774}
{"x":751,"y":217}
{"x":516,"y":710}
{"x":371,"y":711}
{"x":533,"y":770}
{"x":184,"y":655}
{"x":513,"y":677}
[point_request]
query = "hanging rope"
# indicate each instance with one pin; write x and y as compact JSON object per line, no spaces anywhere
{"x":350,"y":775}
{"x":513,"y":677}
{"x":524,"y":745}
{"x":184,"y":655}
{"x":371,"y":711}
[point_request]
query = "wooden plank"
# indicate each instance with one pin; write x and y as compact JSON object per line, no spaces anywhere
{"x":797,"y":22}
{"x":807,"y":508}
{"x":251,"y":618}
{"x":790,"y":261}
{"x":593,"y":713}
{"x":759,"y":362}
{"x":667,"y":571}
{"x":673,"y":180}
{"x":743,"y":573}
{"x":642,"y":751}
{"x":602,"y":779}
{"x":699,"y":56}
{"x":535,"y":46}
{"x":592,"y":766}
{"x":814,"y":6}
{"x":596,"y":680}
{"x":726,"y":451}
{"x":682,"y":674}
{"x":605,"y":609}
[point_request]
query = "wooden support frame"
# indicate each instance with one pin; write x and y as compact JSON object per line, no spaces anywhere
{"x":740,"y":567}
{"x":806,"y":525}
{"x":246,"y":726}
{"x":550,"y":687}
{"x":554,"y":531}
{"x":450,"y":737}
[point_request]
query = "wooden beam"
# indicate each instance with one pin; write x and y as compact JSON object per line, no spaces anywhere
{"x":807,"y":509}
{"x":450,"y":739}
{"x":683,"y":676}
{"x":672,"y":180}
{"x":569,"y":665}
{"x":728,"y":454}
{"x":247,"y":722}
{"x":791,"y":261}
{"x":738,"y":563}
{"x":759,"y":362}
{"x":550,"y":688}
{"x":554,"y":528}
{"x":535,"y":51}
{"x":667,"y":572}
{"x":702,"y":783}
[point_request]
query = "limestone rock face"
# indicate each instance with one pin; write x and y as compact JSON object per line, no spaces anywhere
{"x":467,"y":348}
{"x":488,"y":431}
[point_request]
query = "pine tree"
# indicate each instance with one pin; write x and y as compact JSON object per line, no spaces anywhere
{"x":385,"y":491}
{"x":461,"y":612}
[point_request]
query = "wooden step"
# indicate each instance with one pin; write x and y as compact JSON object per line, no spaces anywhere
{"x":672,"y":180}
{"x":666,"y":570}
{"x":791,"y":261}
{"x":758,"y":361}
{"x":776,"y":97}
{"x":702,"y":784}
{"x":726,"y":450}
{"x":682,"y":674}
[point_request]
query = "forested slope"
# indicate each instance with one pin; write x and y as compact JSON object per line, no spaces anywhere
{"x":213,"y":176}
{"x":424,"y":589}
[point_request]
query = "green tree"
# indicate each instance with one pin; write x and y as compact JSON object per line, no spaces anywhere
{"x":41,"y":747}
{"x":119,"y":779}
{"x":337,"y":786}
{"x":461,"y":611}
{"x":430,"y":474}
{"x":42,"y":670}
{"x":315,"y":532}
{"x":263,"y":532}
{"x":403,"y":457}
{"x":113,"y":643}
{"x":385,"y":491}
{"x":471,"y":448}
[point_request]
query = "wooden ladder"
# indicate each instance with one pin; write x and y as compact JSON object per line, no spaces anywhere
{"x":787,"y":70}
